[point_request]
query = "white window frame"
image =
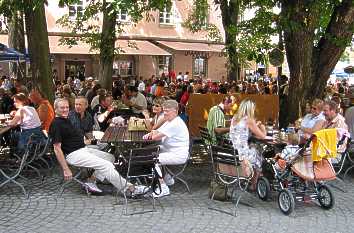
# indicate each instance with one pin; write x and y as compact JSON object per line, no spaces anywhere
{"x":205,"y":66}
{"x":76,"y":6}
{"x":120,"y":16}
{"x":3,"y":23}
{"x":163,"y":63}
{"x":117,"y":70}
{"x":171,"y":15}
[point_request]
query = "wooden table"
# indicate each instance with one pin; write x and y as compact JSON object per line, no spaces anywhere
{"x":124,"y":140}
{"x":115,"y":134}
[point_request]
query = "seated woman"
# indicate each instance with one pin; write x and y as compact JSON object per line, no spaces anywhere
{"x":27,"y":118}
{"x":312,"y":122}
{"x":243,"y":124}
{"x":174,"y":136}
{"x":158,"y":119}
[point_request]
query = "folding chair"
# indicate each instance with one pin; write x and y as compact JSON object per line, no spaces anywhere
{"x":228,"y":171}
{"x":206,"y":138}
{"x":176,"y":171}
{"x":141,"y":168}
{"x":12,"y":169}
{"x":76,"y":178}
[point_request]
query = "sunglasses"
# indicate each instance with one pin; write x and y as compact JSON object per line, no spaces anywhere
{"x":156,"y":105}
{"x":314,"y":108}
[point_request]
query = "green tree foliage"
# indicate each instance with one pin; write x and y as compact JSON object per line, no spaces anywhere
{"x":37,"y":37}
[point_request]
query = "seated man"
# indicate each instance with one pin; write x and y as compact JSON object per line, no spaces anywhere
{"x":102,"y":113}
{"x":333,"y":118}
{"x":69,"y":148}
{"x":216,"y":118}
{"x":81,"y":119}
{"x":175,"y":140}
{"x":44,"y":109}
{"x":135,"y":100}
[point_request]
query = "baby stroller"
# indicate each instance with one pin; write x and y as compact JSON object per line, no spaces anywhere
{"x":302,"y":178}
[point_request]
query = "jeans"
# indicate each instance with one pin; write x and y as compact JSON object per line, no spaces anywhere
{"x":24,"y":136}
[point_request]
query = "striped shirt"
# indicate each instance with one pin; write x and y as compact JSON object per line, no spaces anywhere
{"x":216,"y":119}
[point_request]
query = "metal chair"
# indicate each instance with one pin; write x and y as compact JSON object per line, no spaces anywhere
{"x":206,"y":138}
{"x":141,"y":168}
{"x":176,"y":171}
{"x":76,"y":178}
{"x":233,"y":177}
{"x":12,"y":169}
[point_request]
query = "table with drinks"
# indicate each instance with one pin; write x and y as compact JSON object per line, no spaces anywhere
{"x":125,"y":138}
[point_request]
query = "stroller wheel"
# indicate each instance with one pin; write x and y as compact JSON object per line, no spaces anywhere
{"x":286,"y":201}
{"x":263,"y":188}
{"x":325,"y":197}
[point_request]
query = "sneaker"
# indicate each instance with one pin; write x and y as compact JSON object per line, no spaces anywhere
{"x":92,"y":187}
{"x":164,"y":191}
{"x":140,"y":190}
{"x":169,"y":179}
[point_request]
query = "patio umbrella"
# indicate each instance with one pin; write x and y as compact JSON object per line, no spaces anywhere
{"x":9,"y":54}
{"x":349,"y":69}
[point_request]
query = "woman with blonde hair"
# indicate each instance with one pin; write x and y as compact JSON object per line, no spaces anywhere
{"x":158,"y":119}
{"x":243,"y":124}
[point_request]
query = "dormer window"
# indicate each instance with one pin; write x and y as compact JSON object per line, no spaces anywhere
{"x":76,"y":10}
{"x":123,"y":16}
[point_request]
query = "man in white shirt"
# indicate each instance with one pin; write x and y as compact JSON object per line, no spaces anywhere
{"x":175,"y":140}
{"x":179,"y":76}
{"x":141,"y":86}
{"x":137,"y":100}
{"x":186,"y":77}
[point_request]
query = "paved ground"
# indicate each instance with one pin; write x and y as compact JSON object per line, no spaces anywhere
{"x":179,"y":212}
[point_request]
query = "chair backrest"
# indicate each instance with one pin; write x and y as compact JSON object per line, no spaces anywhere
{"x":142,"y":161}
{"x":205,"y":135}
{"x":226,"y":164}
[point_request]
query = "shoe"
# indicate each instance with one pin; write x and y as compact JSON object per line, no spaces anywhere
{"x":169,"y":179}
{"x":140,"y":190}
{"x":164,"y":191}
{"x":92,"y":187}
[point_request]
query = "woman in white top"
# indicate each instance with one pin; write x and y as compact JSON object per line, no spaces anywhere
{"x":26,"y":117}
{"x":313,"y":122}
{"x":158,"y":119}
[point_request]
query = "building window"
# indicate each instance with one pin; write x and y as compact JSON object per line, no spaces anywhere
{"x":76,"y":10}
{"x":163,"y":63}
{"x":3,"y":23}
{"x":169,"y":17}
{"x":123,"y":16}
{"x":123,"y":68}
{"x":200,"y":67}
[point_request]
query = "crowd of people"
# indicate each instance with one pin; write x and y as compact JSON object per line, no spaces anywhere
{"x":82,"y":107}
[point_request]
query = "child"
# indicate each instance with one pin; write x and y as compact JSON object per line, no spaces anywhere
{"x":289,"y":152}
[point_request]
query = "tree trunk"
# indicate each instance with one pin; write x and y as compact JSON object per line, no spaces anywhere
{"x":331,"y":47}
{"x":107,"y":42}
{"x":38,"y":47}
{"x":230,"y":13}
{"x":298,"y":38}
{"x":16,"y":40}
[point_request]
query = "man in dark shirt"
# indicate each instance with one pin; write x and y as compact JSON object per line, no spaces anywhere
{"x":103,"y":112}
{"x":81,"y":119}
{"x":69,"y":148}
